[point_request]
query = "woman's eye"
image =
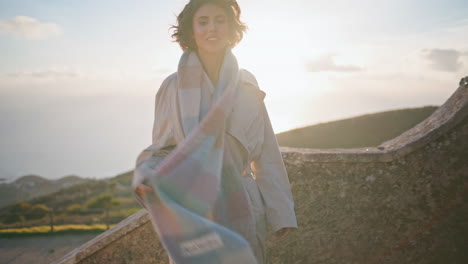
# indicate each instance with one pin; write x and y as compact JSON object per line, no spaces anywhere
{"x":202,"y":23}
{"x":220,"y":21}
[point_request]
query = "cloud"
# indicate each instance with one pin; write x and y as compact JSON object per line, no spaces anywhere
{"x":74,"y":73}
{"x":45,"y":74}
{"x":29,"y":28}
{"x":326,"y":63}
{"x":448,"y":60}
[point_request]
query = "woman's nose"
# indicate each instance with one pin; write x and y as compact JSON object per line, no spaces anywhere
{"x":212,"y":26}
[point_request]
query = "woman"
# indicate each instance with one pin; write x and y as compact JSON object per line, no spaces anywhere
{"x":227,"y":158}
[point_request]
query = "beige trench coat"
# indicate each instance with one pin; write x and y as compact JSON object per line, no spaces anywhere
{"x":250,"y":125}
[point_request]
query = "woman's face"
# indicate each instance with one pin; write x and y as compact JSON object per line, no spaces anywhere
{"x":210,"y":29}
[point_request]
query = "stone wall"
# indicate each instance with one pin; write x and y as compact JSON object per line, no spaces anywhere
{"x":402,"y":202}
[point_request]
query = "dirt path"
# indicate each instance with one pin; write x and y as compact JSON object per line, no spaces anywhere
{"x":38,"y":250}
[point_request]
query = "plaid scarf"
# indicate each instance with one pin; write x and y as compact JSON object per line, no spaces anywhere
{"x":198,"y":198}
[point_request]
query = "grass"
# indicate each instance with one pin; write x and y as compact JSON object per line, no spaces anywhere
{"x":58,"y":230}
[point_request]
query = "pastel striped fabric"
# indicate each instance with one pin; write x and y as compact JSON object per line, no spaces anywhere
{"x":187,"y":183}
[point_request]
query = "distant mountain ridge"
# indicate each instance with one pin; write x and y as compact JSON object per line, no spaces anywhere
{"x":31,"y":186}
{"x":362,"y":131}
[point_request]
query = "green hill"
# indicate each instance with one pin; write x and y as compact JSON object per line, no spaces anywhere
{"x":31,"y":186}
{"x":363,"y":131}
{"x":119,"y":186}
{"x":75,"y":204}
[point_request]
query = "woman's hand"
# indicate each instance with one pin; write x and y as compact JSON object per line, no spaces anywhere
{"x":282,"y":233}
{"x":142,"y":190}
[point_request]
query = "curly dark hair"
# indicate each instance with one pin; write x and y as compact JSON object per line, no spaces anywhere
{"x":184,"y":29}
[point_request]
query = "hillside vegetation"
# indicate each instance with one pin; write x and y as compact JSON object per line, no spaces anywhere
{"x":31,"y":186}
{"x":362,"y":131}
{"x":78,"y":204}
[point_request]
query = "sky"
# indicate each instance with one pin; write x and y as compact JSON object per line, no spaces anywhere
{"x":78,"y":78}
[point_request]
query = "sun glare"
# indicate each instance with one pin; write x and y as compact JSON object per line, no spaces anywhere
{"x":278,"y":52}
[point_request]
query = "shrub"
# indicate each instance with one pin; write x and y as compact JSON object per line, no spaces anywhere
{"x":105,"y":200}
{"x":37,"y":211}
{"x":17,"y":212}
{"x":74,"y":209}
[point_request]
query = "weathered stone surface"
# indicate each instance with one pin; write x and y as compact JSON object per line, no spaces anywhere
{"x":406,"y":202}
{"x":412,"y":209}
{"x":131,"y":241}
